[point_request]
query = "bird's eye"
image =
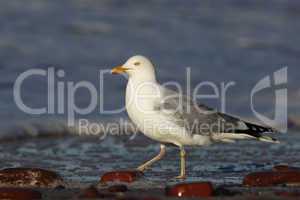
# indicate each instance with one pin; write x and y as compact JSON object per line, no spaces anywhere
{"x":137,"y":63}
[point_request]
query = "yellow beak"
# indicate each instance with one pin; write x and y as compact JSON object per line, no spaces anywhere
{"x":119,"y":70}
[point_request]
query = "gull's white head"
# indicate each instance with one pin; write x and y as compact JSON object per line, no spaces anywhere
{"x":136,"y":67}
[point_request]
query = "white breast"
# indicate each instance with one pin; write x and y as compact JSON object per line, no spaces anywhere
{"x":140,"y":103}
{"x":140,"y":98}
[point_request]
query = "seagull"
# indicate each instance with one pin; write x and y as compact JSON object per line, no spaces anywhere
{"x":171,"y":117}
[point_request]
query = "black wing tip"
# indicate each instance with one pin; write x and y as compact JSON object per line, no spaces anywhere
{"x":257,"y":132}
{"x":259,"y":129}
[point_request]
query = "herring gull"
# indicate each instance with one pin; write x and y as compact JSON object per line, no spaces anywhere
{"x":167,"y":116}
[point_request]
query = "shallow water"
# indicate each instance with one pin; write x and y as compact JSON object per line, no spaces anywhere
{"x":82,"y":160}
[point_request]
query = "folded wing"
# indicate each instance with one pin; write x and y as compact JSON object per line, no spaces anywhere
{"x":200,"y":119}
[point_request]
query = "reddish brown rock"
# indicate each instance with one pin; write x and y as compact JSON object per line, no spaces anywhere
{"x":285,"y":168}
{"x":263,"y":179}
{"x":195,"y":189}
{"x":19,"y":194}
{"x":29,"y":177}
{"x":121,"y":176}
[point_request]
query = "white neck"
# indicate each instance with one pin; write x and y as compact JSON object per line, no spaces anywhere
{"x":137,"y":87}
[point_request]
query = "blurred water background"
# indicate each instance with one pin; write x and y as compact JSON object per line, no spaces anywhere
{"x":221,"y":41}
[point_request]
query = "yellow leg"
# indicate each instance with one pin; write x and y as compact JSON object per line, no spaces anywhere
{"x":159,"y":156}
{"x":182,"y":164}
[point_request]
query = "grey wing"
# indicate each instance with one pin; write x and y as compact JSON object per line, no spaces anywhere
{"x":200,"y":119}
